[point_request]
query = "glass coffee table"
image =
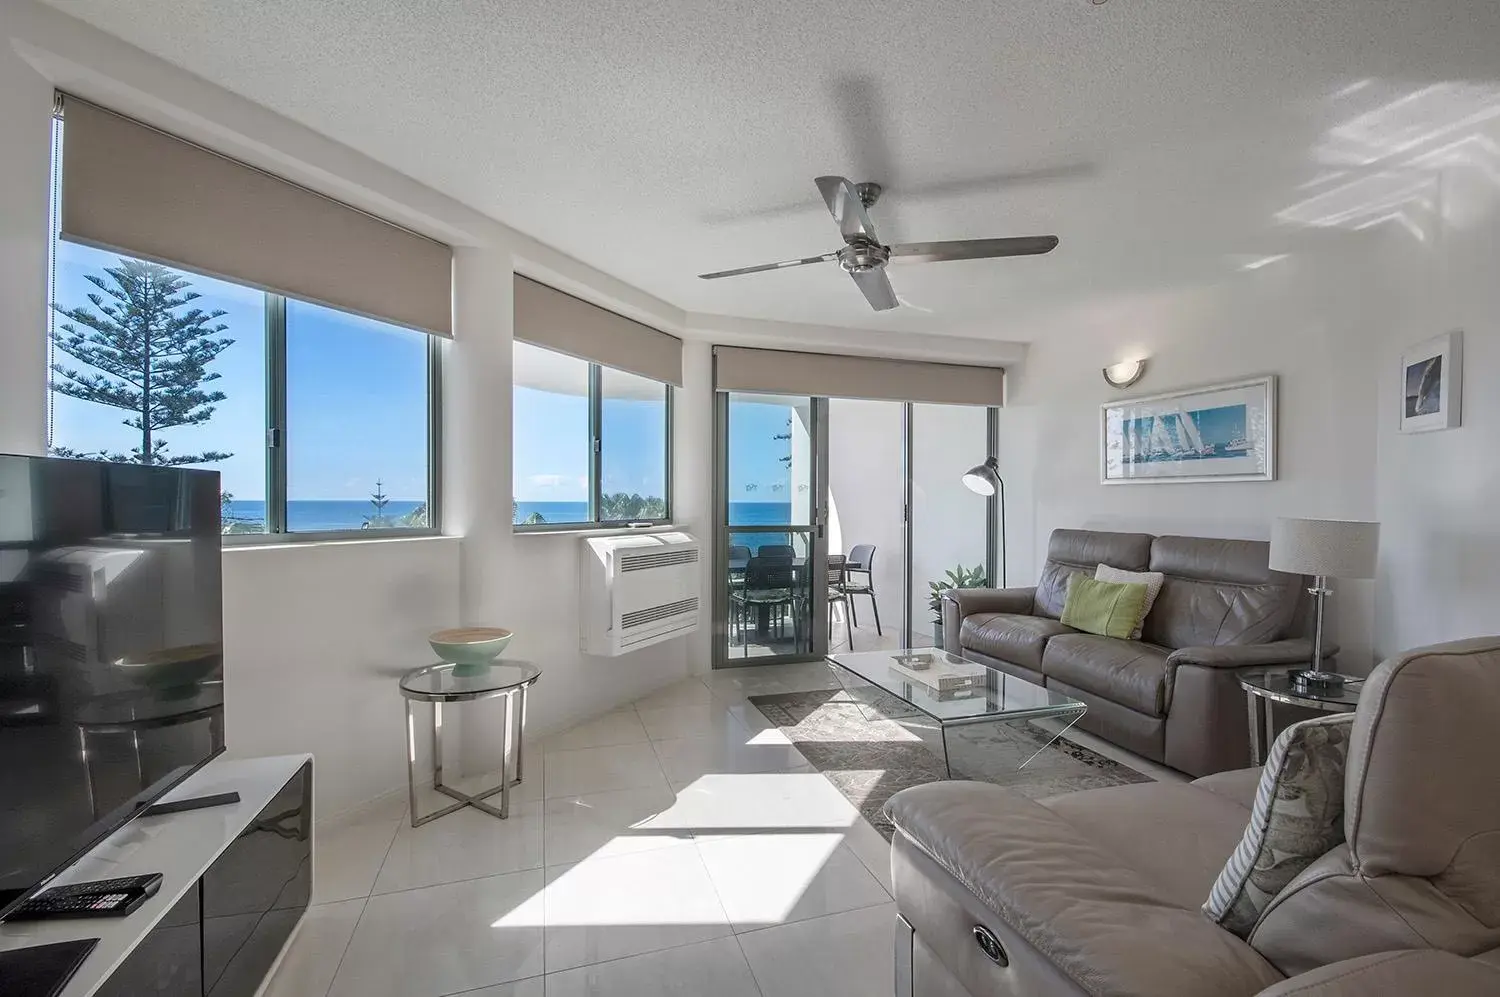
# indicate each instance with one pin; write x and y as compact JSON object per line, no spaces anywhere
{"x":934,"y":693}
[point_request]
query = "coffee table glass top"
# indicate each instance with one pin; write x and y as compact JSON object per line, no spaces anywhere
{"x":982,"y":693}
{"x":447,"y":682}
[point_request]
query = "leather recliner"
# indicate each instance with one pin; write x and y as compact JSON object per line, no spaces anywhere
{"x":1100,"y":892}
{"x":1174,"y":695}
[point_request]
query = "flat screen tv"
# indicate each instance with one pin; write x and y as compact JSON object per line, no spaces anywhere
{"x":111,"y":651}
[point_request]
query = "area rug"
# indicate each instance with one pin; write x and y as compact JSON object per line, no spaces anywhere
{"x":872,"y":751}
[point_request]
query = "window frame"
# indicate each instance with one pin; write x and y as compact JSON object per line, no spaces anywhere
{"x":596,"y":457}
{"x":277,"y":440}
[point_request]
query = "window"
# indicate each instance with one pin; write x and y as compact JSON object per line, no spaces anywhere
{"x":358,"y":423}
{"x":318,"y":422}
{"x":592,"y":443}
{"x":341,"y":442}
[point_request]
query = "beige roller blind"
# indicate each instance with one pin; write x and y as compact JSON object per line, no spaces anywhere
{"x":549,"y":318}
{"x":132,"y":189}
{"x":790,"y":373}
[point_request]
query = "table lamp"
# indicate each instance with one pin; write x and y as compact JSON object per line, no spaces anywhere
{"x":1323,"y":548}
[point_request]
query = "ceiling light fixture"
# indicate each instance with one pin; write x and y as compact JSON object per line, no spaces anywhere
{"x":1125,"y":373}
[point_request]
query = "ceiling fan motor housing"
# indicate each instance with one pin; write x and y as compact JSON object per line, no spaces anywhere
{"x":862,"y":255}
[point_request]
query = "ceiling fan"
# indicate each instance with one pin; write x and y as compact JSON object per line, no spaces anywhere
{"x":864,"y":256}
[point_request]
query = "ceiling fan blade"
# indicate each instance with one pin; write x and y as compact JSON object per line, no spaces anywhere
{"x":877,"y":289}
{"x":770,"y":266}
{"x":974,"y":249}
{"x":846,"y":207}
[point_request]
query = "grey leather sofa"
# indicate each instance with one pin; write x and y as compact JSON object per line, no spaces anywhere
{"x":1173,"y":696}
{"x":1099,"y":892}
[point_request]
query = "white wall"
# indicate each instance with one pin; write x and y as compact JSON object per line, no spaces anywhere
{"x":315,"y":637}
{"x":1310,"y":319}
{"x":866,"y":486}
{"x":1439,"y":493}
{"x":316,"y":634}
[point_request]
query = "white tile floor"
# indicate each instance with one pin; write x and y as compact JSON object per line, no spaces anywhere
{"x":680,"y":845}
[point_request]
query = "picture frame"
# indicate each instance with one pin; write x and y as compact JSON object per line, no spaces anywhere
{"x":1432,"y":382}
{"x":1218,"y":432}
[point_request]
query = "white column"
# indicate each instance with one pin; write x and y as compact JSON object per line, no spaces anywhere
{"x":692,"y":482}
{"x":477,"y":491}
{"x":477,"y":429}
{"x":25,"y":174}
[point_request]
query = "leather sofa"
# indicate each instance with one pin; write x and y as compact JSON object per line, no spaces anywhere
{"x":1099,"y":892}
{"x":1173,"y":696}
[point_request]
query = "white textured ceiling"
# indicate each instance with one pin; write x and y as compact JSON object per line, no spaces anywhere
{"x":1165,"y":141}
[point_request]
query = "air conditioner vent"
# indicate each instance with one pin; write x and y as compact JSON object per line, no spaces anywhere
{"x":643,"y":616}
{"x":649,"y":560}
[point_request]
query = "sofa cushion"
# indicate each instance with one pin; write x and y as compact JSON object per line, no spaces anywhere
{"x":1080,"y":552}
{"x":1219,"y":592}
{"x":1127,"y":672}
{"x":1298,"y":816}
{"x":1151,"y":579}
{"x":1043,"y":884}
{"x":1010,"y":637}
{"x":1173,"y":833}
{"x":1238,"y":785}
{"x":1110,"y":609}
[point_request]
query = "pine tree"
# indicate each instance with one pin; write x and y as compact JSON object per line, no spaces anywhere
{"x":149,"y":353}
{"x":378,"y":520}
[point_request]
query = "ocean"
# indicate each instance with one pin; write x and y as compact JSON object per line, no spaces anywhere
{"x":318,"y":515}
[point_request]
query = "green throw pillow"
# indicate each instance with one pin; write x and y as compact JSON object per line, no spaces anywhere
{"x":1110,"y":609}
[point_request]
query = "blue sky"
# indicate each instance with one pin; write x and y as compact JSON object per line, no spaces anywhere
{"x":357,"y":411}
{"x":356,"y":396}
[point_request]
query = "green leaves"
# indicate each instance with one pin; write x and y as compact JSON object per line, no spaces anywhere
{"x":148,"y":352}
{"x":622,"y":507}
{"x":955,"y":578}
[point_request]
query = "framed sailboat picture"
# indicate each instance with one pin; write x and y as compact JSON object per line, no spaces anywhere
{"x":1224,"y":432}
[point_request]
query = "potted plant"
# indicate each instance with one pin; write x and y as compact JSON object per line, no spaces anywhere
{"x":955,"y":578}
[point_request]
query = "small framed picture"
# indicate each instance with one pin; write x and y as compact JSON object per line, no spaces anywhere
{"x":1432,"y":378}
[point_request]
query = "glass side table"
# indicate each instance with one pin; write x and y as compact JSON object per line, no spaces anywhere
{"x":448,"y":683}
{"x":1274,"y":685}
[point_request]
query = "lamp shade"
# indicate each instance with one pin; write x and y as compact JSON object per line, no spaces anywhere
{"x":982,"y":479}
{"x":1334,"y":547}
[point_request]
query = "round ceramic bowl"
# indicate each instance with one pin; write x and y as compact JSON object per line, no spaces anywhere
{"x":173,"y":671}
{"x":469,"y":645}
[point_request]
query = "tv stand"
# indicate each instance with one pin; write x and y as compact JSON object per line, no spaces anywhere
{"x":236,"y":881}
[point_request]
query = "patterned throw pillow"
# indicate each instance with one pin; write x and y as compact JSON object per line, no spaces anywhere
{"x":1298,"y":816}
{"x":1153,"y":580}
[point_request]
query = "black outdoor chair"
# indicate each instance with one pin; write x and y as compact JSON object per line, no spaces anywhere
{"x":861,"y":561}
{"x":769,"y":584}
{"x":777,"y":550}
{"x":836,"y":593}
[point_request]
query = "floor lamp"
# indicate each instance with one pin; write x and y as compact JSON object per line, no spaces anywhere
{"x":984,"y":479}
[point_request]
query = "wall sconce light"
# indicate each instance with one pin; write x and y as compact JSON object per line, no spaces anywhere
{"x":1125,"y":373}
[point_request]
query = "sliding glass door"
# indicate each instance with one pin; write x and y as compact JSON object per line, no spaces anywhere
{"x":854,"y":505}
{"x":771,"y":598}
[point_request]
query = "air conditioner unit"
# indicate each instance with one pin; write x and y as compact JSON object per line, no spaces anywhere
{"x":637,"y":590}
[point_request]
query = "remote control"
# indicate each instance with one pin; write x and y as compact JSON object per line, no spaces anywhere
{"x":100,"y":898}
{"x":192,"y":803}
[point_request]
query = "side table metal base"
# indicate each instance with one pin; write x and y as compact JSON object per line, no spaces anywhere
{"x":513,"y":731}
